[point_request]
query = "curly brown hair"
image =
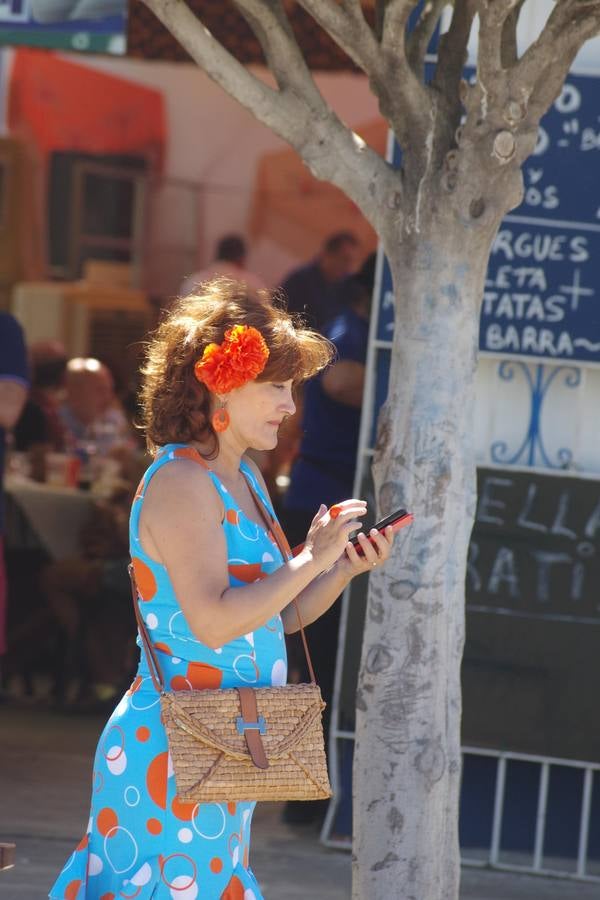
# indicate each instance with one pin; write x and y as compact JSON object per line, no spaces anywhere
{"x":175,"y":406}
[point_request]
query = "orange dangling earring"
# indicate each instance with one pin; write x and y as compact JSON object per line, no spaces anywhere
{"x":220,"y":418}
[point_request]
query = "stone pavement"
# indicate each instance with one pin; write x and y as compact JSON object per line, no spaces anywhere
{"x":45,"y":765}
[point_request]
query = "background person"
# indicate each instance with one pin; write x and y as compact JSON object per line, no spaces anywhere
{"x":91,"y":414}
{"x":14,"y":384}
{"x":214,"y":589}
{"x":88,"y":597}
{"x":316,"y":290}
{"x":324,"y":472}
{"x":40,"y":429}
{"x":229,"y":262}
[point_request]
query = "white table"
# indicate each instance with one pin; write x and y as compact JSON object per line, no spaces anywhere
{"x":55,"y":514}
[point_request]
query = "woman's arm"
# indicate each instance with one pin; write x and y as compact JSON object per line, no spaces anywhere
{"x":324,"y":590}
{"x":315,"y":599}
{"x":180,"y":527}
{"x":344,"y":382}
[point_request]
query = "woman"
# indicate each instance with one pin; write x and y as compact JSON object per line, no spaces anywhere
{"x":215,"y":592}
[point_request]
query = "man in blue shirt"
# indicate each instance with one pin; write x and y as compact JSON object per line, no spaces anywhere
{"x":316,"y":290}
{"x":324,"y":471}
{"x":14,"y":383}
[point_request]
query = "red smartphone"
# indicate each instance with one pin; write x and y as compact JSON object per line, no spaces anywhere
{"x":397,"y":520}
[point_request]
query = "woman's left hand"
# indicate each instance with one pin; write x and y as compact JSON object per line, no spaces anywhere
{"x":376,"y":549}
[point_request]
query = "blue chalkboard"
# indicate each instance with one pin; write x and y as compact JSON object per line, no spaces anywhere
{"x":542,"y":292}
{"x":561,"y":178}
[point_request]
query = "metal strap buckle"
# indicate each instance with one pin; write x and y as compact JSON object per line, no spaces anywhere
{"x":242,"y":725}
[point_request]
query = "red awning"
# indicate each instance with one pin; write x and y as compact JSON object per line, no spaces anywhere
{"x":60,"y":105}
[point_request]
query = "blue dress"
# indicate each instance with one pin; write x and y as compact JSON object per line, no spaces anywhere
{"x":141,"y":841}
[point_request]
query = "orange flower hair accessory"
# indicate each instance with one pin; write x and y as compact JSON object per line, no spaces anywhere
{"x":239,"y":358}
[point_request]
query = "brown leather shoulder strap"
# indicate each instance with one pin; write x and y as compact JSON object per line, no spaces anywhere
{"x":153,"y":664}
{"x":282,"y":543}
{"x":251,"y":725}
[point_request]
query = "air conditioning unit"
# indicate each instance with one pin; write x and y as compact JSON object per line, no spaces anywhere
{"x":90,"y":318}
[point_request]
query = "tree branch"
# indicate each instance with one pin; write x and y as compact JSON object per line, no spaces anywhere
{"x":403,"y":99}
{"x":508,"y":41}
{"x":419,"y":38}
{"x":540,"y":72}
{"x":380,"y":8}
{"x":355,"y":8}
{"x":270,"y":24}
{"x":492,"y":17}
{"x":350,"y":31}
{"x":218,"y":63}
{"x":452,"y":50}
{"x":297,"y":112}
{"x":395,"y":17}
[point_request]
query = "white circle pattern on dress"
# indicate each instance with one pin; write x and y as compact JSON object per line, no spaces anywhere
{"x":181,"y":890}
{"x":245,"y":677}
{"x":117,"y":765}
{"x":95,"y":864}
{"x":141,"y":707}
{"x":131,"y":788}
{"x":205,"y":808}
{"x":250,"y":531}
{"x":279,"y":673}
{"x":142,"y":876}
{"x":119,"y":842}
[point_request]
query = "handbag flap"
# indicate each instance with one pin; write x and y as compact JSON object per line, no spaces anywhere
{"x":212,"y":717}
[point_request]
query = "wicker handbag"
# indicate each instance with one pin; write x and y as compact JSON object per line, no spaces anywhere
{"x":244,"y":743}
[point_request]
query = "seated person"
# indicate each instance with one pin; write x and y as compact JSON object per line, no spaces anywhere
{"x":14,"y":384}
{"x":89,"y":600}
{"x":40,"y":428}
{"x":91,"y":415}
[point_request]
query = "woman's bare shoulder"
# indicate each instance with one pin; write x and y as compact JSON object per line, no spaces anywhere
{"x":180,"y":523}
{"x":182,"y":482}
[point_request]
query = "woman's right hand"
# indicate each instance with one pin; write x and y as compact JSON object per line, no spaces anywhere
{"x":328,"y":535}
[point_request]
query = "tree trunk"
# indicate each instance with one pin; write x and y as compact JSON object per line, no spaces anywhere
{"x":407,"y":760}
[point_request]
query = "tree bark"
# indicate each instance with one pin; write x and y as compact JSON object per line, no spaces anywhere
{"x":407,"y":756}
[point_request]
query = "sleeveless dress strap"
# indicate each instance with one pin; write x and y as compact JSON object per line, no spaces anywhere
{"x":254,"y":481}
{"x":167,"y":454}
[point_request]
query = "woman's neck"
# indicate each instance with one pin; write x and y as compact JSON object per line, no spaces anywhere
{"x":226,"y":464}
